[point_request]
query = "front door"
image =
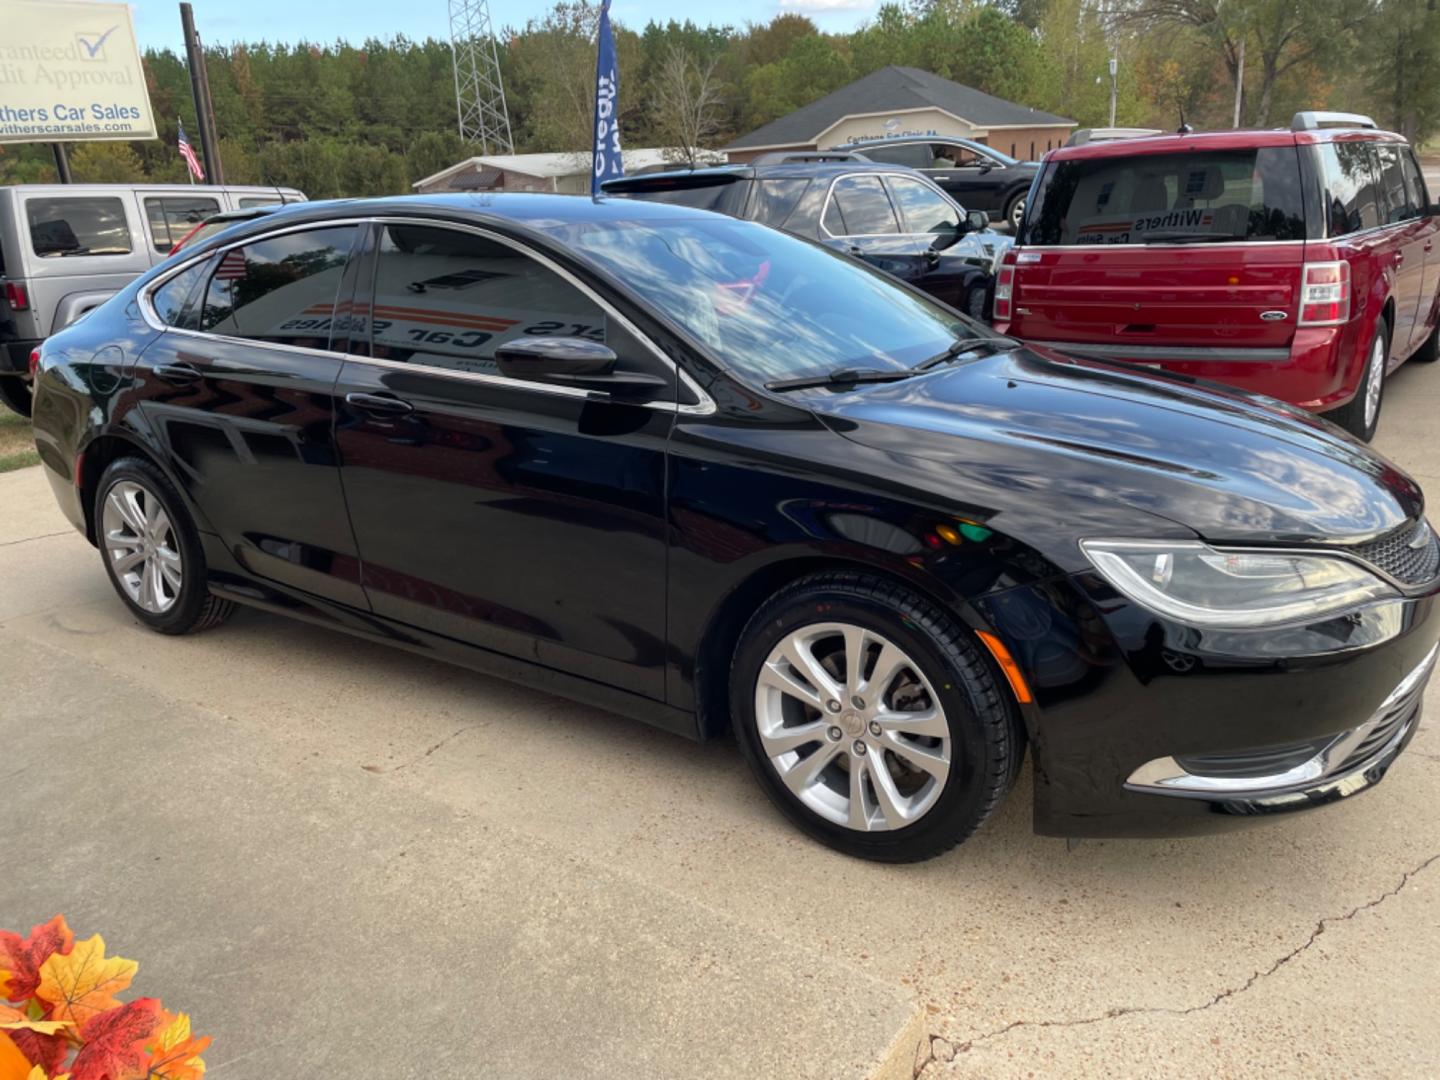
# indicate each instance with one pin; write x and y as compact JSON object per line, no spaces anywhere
{"x":241,"y":394}
{"x":518,"y":517}
{"x":1406,"y":235}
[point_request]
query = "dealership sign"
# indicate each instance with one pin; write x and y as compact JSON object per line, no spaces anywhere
{"x":70,"y":72}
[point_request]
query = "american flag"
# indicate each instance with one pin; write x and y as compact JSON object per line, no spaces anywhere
{"x":188,"y":153}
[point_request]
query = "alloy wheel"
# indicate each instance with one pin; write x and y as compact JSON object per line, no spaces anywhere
{"x":142,"y":546}
{"x":1374,"y":381}
{"x":1016,"y":213}
{"x":852,"y":727}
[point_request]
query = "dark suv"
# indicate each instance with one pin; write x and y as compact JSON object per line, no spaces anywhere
{"x":977,"y":176}
{"x":892,"y":218}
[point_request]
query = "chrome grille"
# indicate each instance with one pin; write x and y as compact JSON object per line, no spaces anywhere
{"x":1410,"y":554}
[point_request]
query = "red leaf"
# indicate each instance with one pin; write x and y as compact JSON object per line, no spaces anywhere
{"x":20,"y":959}
{"x":115,"y":1041}
{"x":47,"y":1051}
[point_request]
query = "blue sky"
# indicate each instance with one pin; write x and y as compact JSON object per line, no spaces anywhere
{"x":157,"y":22}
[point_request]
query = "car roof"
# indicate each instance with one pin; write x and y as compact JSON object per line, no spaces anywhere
{"x":776,"y":170}
{"x":1175,"y":142}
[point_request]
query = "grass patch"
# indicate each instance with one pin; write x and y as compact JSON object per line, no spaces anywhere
{"x":17,"y":444}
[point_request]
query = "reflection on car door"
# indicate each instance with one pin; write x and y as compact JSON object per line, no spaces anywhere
{"x":934,"y":221}
{"x":522,"y":518}
{"x":243,"y":399}
{"x":1422,"y":261}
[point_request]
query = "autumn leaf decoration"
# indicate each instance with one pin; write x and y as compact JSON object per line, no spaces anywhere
{"x":61,"y":1018}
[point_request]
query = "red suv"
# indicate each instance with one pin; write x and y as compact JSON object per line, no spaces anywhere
{"x":1299,"y":264}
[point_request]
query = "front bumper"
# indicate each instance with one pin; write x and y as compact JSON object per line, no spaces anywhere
{"x":1125,"y":702}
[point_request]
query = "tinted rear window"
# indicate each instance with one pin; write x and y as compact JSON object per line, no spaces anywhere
{"x":1195,"y":197}
{"x":1349,"y":176}
{"x":725,"y":196}
{"x":78,"y":226}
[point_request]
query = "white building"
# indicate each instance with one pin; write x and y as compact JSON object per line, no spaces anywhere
{"x":567,"y":173}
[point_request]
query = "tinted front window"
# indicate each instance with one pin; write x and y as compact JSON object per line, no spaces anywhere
{"x":1211,"y":195}
{"x":250,"y":201}
{"x":172,"y":217}
{"x":449,"y":299}
{"x":769,"y":305}
{"x":925,"y":209}
{"x":280,"y":289}
{"x":914,"y":155}
{"x":863,"y":207}
{"x":169,"y":300}
{"x":78,"y":226}
{"x":1414,"y":181}
{"x":1350,"y":190}
{"x":1396,"y":201}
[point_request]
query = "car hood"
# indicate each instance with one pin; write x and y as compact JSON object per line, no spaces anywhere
{"x":1075,"y":436}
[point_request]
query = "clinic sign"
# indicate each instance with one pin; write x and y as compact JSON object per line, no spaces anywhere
{"x":70,"y":72}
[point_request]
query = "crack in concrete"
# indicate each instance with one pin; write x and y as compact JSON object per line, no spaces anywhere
{"x":1223,"y":995}
{"x":32,"y":539}
{"x":419,"y":757}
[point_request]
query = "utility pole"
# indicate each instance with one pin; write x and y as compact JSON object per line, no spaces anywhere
{"x":200,"y":90}
{"x":1114,"y":69}
{"x":1239,"y":82}
{"x":62,"y":162}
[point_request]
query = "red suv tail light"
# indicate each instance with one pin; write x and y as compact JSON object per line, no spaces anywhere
{"x":1325,"y":294}
{"x":1004,"y":291}
{"x":17,"y":296}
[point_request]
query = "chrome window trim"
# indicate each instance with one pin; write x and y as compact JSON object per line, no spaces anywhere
{"x":703,"y":406}
{"x":899,"y":216}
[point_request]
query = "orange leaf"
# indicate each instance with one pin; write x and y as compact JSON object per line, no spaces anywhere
{"x":176,"y":1053}
{"x":21,"y":958}
{"x":39,"y":1040}
{"x":83,"y":982}
{"x":13,"y":1064}
{"x":115,"y":1042}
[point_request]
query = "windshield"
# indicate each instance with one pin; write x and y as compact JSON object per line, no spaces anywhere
{"x":1198,"y":196}
{"x":769,"y":305}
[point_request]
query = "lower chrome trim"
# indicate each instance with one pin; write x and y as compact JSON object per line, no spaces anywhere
{"x":1174,"y":353}
{"x":1166,"y":776}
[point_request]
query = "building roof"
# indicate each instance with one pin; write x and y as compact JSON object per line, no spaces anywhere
{"x":562,"y":164}
{"x":894,"y":89}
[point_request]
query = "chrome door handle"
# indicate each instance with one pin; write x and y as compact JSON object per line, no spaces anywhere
{"x":380,"y":404}
{"x":179,"y":374}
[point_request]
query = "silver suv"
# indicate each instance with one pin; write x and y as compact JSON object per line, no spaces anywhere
{"x":66,"y":248}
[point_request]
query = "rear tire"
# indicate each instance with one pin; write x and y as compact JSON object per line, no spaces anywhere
{"x":888,"y":737}
{"x":1360,"y":416}
{"x":15,"y":393}
{"x":1014,"y":211}
{"x":152,"y":551}
{"x":1429,"y":350}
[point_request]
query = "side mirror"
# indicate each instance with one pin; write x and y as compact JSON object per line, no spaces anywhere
{"x":976,"y":221}
{"x":574,"y":362}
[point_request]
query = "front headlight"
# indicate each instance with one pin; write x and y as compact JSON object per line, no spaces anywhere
{"x":1195,"y":584}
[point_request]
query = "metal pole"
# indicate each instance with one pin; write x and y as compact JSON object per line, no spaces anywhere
{"x":200,"y":91}
{"x":1114,"y":68}
{"x":62,"y":162}
{"x":1239,"y":82}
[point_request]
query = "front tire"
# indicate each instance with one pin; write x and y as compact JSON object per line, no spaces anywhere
{"x":15,"y":394}
{"x":152,"y":550}
{"x":871,"y":719}
{"x":1361,"y":414}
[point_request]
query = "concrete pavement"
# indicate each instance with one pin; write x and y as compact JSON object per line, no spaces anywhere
{"x":305,"y":839}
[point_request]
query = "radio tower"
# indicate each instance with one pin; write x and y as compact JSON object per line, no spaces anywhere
{"x":479,"y":96}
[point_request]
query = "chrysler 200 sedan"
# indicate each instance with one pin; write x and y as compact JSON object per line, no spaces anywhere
{"x":718,"y":478}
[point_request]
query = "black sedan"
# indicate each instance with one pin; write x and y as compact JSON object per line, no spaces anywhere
{"x":894,"y":219}
{"x":978,"y":176}
{"x":715,"y":477}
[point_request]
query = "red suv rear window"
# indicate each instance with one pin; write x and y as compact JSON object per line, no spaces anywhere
{"x":1201,"y":196}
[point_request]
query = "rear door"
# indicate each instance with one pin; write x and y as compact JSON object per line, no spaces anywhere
{"x":1429,"y":228}
{"x":1183,"y":256}
{"x":860,"y":220}
{"x":1409,"y":232}
{"x":168,"y":218}
{"x":240,"y":392}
